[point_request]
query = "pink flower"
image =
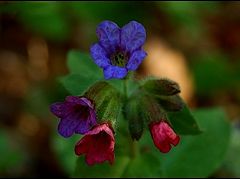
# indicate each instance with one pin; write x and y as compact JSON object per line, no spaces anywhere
{"x":163,"y":136}
{"x":97,"y":144}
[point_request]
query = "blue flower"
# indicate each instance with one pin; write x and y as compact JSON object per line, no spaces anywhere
{"x":119,"y":49}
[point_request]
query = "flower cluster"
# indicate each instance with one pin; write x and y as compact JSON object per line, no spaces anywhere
{"x":77,"y":114}
{"x":118,"y":51}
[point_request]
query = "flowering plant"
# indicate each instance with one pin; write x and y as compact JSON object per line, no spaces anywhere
{"x":125,"y":122}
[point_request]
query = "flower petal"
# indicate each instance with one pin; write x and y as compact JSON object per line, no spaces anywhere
{"x":99,"y":55}
{"x":57,"y":109}
{"x":109,"y":35}
{"x":87,"y":102}
{"x":97,"y":144}
{"x":75,"y":100}
{"x":164,"y":146}
{"x":136,"y":59}
{"x":133,"y":36}
{"x":175,"y":141}
{"x":163,"y":136}
{"x":114,"y":72}
{"x":86,"y":124}
{"x":100,"y":151}
{"x":66,"y":126}
{"x":171,"y":136}
{"x":101,"y":127}
{"x":77,"y":114}
{"x":83,"y":145}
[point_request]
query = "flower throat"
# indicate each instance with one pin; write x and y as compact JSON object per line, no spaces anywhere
{"x":119,"y":59}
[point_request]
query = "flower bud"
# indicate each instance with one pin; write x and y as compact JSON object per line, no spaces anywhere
{"x":161,"y":87}
{"x":163,"y":135}
{"x":170,"y":103}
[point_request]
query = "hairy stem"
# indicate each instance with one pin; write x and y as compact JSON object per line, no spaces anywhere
{"x":125,"y":88}
{"x":132,"y":143}
{"x":134,"y":148}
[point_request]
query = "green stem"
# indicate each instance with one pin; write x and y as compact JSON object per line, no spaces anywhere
{"x":133,"y":148}
{"x":125,"y":88}
{"x":133,"y":144}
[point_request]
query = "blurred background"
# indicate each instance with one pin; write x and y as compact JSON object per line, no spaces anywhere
{"x":195,"y":44}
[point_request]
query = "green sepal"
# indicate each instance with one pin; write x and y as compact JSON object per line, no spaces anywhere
{"x":170,"y":103}
{"x":160,"y":87}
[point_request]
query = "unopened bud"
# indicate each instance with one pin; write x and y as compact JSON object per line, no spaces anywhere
{"x":162,"y":87}
{"x":171,"y":103}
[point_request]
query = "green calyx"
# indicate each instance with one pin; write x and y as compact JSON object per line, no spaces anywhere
{"x":107,"y":101}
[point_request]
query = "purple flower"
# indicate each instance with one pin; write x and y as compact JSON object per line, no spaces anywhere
{"x":119,"y":49}
{"x":77,"y":115}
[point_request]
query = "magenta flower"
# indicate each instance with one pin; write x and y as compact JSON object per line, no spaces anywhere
{"x":97,"y":144}
{"x":76,"y":114}
{"x":163,"y":136}
{"x":119,"y":49}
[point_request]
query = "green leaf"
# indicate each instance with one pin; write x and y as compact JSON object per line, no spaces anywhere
{"x":231,"y":163}
{"x":184,"y":122}
{"x":81,"y":63}
{"x":195,"y":156}
{"x":83,"y":73}
{"x":76,"y":84}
